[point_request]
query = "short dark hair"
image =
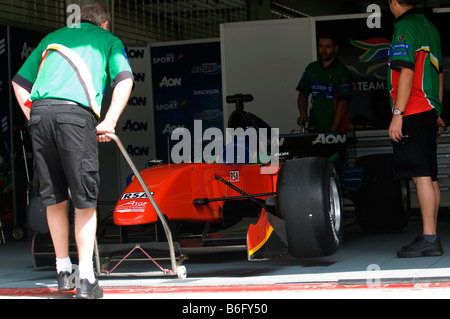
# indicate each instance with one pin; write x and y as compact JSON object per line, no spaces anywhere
{"x":95,"y":13}
{"x":328,"y":35}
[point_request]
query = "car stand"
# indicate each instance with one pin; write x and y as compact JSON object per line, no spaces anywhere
{"x":177,"y":269}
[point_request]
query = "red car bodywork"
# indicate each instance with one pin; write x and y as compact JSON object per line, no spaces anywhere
{"x":176,"y":186}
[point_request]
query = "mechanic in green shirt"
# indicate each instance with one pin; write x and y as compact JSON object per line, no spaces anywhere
{"x":415,"y":82}
{"x":330,"y":83}
{"x":60,"y":89}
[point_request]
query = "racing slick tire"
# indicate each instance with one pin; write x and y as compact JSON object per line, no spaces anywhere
{"x":309,"y":201}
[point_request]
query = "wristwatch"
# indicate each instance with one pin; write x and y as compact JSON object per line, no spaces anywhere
{"x":397,"y":112}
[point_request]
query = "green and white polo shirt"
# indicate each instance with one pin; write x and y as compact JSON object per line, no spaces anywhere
{"x":75,"y":63}
{"x":327,"y":86}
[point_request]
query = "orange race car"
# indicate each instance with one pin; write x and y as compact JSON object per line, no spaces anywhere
{"x":216,"y":207}
{"x":296,"y":209}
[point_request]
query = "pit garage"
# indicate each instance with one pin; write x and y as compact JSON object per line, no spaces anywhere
{"x":240,"y":78}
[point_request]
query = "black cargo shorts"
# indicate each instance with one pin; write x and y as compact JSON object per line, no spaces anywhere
{"x":416,"y":154}
{"x":65,"y":149}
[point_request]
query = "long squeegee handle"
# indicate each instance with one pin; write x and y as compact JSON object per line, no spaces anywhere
{"x":135,"y":171}
{"x":115,"y":138}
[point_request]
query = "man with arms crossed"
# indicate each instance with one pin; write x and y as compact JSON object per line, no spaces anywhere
{"x":60,"y":89}
{"x":415,"y":81}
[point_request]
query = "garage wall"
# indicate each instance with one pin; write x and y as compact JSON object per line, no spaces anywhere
{"x":267,"y":59}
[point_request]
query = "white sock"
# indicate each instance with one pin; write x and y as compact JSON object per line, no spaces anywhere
{"x":86,"y":269}
{"x":63,"y":264}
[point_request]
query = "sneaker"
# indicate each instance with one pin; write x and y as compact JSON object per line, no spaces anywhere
{"x":65,"y":283}
{"x":86,"y":290}
{"x":421,"y":248}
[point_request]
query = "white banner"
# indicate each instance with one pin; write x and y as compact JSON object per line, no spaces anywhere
{"x":135,"y":127}
{"x":135,"y":130}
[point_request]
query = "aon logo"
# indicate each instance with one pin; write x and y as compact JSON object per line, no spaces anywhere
{"x":330,"y":139}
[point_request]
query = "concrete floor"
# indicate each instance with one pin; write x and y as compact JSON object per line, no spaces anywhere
{"x":366,"y":266}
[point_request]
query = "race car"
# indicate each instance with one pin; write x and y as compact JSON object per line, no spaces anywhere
{"x":216,"y":207}
{"x":298,"y":209}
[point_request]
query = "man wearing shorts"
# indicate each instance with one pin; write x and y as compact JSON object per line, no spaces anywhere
{"x":60,"y":89}
{"x":415,"y":81}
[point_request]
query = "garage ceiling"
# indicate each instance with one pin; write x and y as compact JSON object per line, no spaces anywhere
{"x":167,"y":20}
{"x":302,"y":8}
{"x":144,"y":21}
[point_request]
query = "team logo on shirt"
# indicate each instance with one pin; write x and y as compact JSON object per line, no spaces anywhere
{"x":401,"y":38}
